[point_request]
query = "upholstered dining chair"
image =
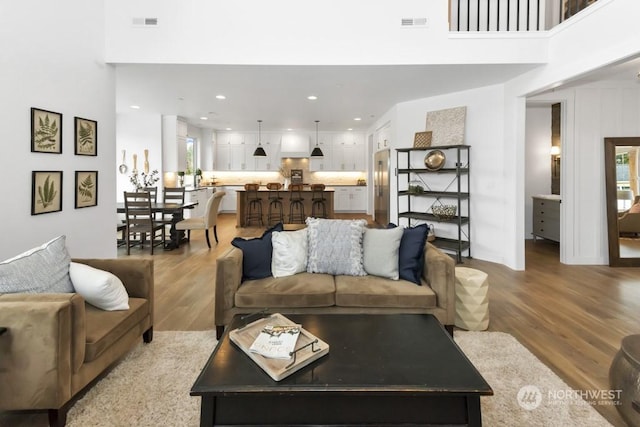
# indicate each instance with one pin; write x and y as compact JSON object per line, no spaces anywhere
{"x":209,"y":220}
{"x":140,"y":221}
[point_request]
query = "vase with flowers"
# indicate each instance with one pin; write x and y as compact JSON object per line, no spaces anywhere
{"x":143,"y":179}
{"x":286,"y":174}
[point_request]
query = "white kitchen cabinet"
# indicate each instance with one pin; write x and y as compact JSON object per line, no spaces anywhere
{"x":383,"y":136}
{"x":232,"y":152}
{"x":272,"y":161}
{"x":348,"y":152}
{"x":174,"y":143}
{"x":323,"y":163}
{"x":350,"y":199}
{"x":229,"y":201}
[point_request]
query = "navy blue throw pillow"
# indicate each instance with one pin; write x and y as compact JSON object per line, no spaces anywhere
{"x":411,"y":252}
{"x":256,"y":254}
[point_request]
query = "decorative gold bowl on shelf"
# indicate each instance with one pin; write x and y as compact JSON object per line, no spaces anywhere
{"x":434,"y":160}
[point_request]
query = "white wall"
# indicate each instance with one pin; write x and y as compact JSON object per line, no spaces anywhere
{"x":53,"y":58}
{"x":538,"y":167}
{"x":484,"y":127}
{"x":136,"y":132}
{"x":311,"y":32}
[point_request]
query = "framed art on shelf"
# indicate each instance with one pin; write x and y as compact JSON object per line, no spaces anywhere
{"x":86,"y":137}
{"x":46,"y":131}
{"x":86,"y":189}
{"x":46,"y":192}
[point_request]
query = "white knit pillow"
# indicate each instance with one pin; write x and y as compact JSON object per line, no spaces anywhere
{"x":289,"y":254}
{"x":335,"y":246}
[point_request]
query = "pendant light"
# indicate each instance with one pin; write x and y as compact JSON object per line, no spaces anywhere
{"x":259,"y":150}
{"x":317,"y":152}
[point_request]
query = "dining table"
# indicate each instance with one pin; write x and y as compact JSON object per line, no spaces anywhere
{"x":176,"y":210}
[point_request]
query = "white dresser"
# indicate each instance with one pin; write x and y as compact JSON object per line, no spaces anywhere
{"x":546,"y":217}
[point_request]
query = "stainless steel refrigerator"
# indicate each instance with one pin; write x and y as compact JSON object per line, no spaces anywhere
{"x":381,"y":188}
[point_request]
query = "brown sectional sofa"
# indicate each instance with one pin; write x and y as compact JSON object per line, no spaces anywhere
{"x":324,"y":293}
{"x":56,"y":344}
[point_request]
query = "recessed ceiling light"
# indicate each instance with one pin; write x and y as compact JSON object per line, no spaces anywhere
{"x":357,"y":119}
{"x":312,"y":97}
{"x":350,"y":129}
{"x":289,"y":129}
{"x":135,"y":107}
{"x":204,"y":118}
{"x":229,"y":129}
{"x":221,"y":97}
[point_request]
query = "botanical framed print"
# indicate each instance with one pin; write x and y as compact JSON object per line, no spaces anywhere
{"x":86,"y":137}
{"x":46,"y":131}
{"x":46,"y":192}
{"x":86,"y":189}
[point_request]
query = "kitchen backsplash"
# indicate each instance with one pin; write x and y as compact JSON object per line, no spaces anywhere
{"x":308,"y":177}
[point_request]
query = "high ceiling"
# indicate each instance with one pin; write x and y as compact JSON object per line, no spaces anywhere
{"x":277,"y":95}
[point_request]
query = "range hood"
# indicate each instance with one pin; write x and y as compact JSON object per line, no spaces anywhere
{"x":295,"y":146}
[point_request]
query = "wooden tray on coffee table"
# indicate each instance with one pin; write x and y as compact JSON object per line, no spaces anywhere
{"x":308,"y":348}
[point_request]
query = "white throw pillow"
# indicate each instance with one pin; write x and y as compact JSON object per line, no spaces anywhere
{"x":381,"y":248}
{"x":98,"y":287}
{"x":289,"y":254}
{"x":44,"y":269}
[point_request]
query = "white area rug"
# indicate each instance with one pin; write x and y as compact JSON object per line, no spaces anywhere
{"x":508,"y":367}
{"x":151,"y":386}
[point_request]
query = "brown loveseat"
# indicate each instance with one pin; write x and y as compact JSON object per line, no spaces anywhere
{"x":56,"y":344}
{"x":324,"y":293}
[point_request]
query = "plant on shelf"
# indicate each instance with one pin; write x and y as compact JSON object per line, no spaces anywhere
{"x":181,"y":178}
{"x":416,"y":189}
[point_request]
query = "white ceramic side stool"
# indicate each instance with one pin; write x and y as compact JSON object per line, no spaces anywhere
{"x":472,"y":299}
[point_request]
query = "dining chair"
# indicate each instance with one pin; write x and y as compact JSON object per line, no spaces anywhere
{"x":172,"y":195}
{"x":140,"y":221}
{"x":153,"y":191}
{"x":209,"y":220}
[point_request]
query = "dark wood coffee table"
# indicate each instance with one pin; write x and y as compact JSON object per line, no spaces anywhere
{"x":385,"y":370}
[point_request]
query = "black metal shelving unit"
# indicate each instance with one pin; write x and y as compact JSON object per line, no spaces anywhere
{"x":454,"y":191}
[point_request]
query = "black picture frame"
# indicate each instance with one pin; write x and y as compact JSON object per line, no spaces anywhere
{"x":86,"y":189}
{"x":85,"y":137}
{"x":46,"y":192}
{"x":46,"y":131}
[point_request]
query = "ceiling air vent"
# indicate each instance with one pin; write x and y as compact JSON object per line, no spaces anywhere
{"x":145,"y":22}
{"x":413,"y":22}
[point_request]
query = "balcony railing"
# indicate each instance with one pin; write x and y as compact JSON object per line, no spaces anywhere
{"x":512,"y":15}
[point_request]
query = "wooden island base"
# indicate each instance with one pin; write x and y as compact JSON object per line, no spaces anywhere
{"x":264,"y":194}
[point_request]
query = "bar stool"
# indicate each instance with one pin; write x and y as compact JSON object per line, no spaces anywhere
{"x":253,"y":210}
{"x":318,"y":202}
{"x":276,"y":209}
{"x":296,"y":204}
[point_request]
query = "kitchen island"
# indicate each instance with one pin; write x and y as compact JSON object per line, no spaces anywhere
{"x":264,"y":194}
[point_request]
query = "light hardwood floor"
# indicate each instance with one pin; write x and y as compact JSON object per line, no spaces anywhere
{"x":571,"y":317}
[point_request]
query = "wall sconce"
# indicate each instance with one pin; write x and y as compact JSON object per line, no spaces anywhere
{"x":555,"y":150}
